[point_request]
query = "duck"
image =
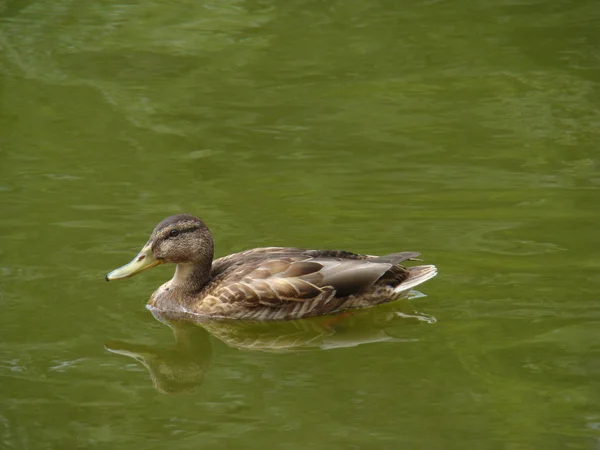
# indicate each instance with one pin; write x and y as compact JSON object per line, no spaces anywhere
{"x":269,"y":283}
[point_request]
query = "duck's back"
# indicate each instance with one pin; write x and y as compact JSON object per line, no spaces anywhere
{"x":278,"y":283}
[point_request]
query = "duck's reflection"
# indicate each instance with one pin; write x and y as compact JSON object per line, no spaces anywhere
{"x":183,"y":366}
{"x":176,"y":368}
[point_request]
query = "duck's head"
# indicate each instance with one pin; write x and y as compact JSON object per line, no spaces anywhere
{"x":180,"y":239}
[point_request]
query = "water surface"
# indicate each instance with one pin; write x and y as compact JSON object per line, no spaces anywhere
{"x":467,"y":131}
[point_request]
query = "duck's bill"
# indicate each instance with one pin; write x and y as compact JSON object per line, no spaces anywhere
{"x":143,"y":261}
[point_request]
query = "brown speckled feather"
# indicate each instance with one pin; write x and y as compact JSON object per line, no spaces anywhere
{"x":287,"y":283}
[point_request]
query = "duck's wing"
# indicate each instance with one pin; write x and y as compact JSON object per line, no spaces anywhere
{"x":295,"y":282}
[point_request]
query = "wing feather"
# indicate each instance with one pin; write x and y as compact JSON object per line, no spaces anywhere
{"x":289,"y":281}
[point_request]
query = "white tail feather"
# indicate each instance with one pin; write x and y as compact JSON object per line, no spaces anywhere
{"x":417,"y":275}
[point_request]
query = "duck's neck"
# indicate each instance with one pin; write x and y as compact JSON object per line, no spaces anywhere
{"x":191,"y":277}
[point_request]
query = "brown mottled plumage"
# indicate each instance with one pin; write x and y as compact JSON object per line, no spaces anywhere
{"x":273,"y":283}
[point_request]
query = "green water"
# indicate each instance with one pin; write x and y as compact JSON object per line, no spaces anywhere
{"x":467,"y":131}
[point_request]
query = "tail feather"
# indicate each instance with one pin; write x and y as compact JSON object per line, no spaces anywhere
{"x":416,"y":275}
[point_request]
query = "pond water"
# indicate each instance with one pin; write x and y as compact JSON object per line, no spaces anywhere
{"x":467,"y":131}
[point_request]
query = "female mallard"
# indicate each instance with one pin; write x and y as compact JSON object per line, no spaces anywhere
{"x":272,"y":283}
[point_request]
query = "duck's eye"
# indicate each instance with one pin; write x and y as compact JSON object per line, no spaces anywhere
{"x":173,"y":233}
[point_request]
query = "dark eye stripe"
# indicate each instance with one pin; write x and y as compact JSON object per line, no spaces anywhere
{"x":189,"y":230}
{"x":181,"y":231}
